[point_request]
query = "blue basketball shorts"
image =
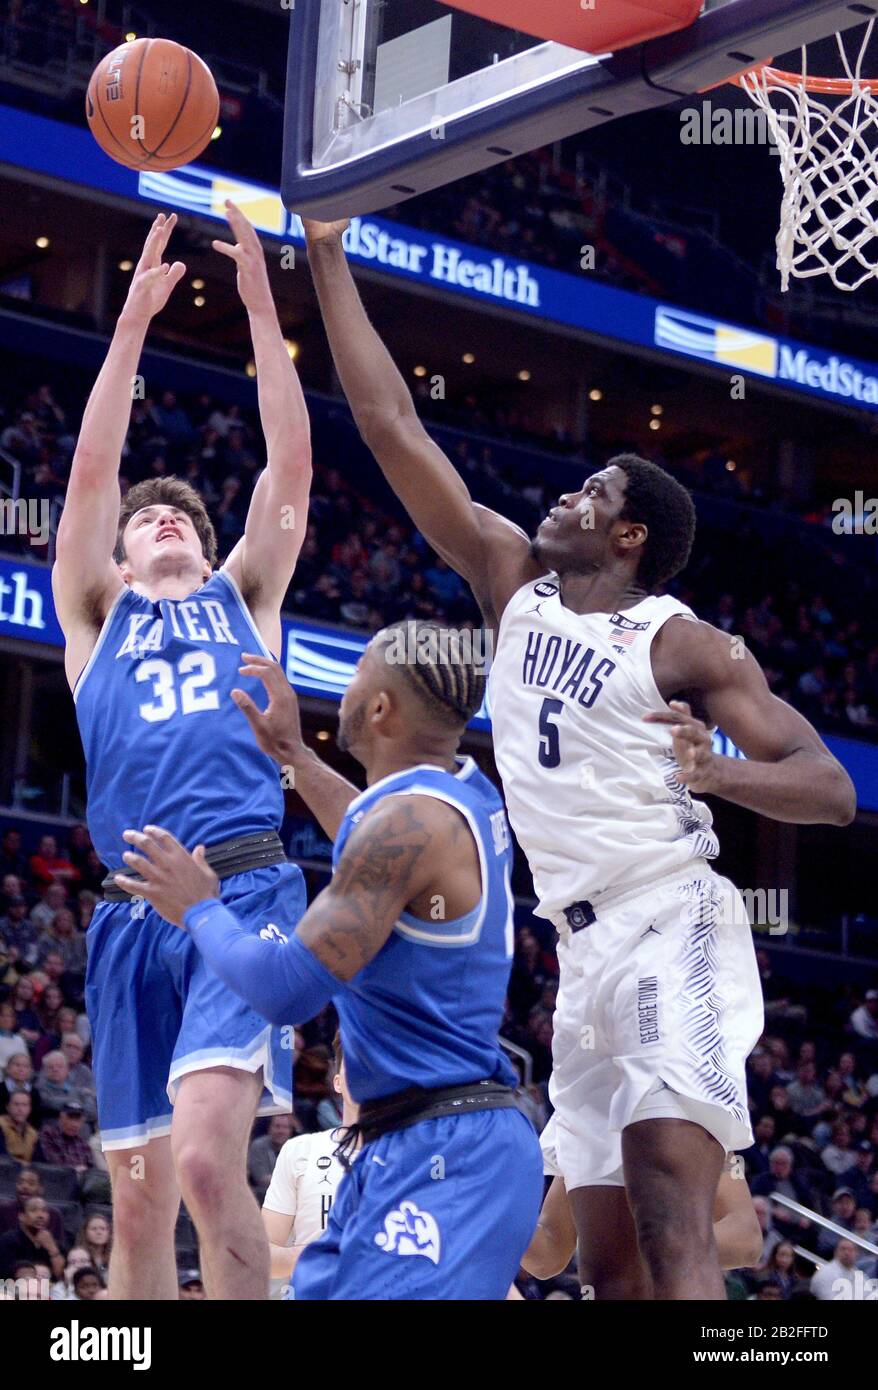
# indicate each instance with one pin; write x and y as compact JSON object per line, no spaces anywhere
{"x":157,"y":1012}
{"x":442,"y":1210}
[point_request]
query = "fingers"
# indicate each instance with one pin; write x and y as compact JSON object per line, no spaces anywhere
{"x":176,"y":273}
{"x":153,"y":842}
{"x":246,"y":705}
{"x":682,"y":715}
{"x":148,"y":256}
{"x":157,"y":239}
{"x":245,"y":235}
{"x":167,"y":275}
{"x":135,"y":886}
{"x":239,"y":223}
{"x":225,"y":248}
{"x":137,"y":865}
{"x":269,"y":672}
{"x":271,"y":675}
{"x":164,"y":233}
{"x":691,"y":733}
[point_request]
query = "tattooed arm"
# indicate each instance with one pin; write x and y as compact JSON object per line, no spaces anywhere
{"x":384,"y":867}
{"x":397,"y":854}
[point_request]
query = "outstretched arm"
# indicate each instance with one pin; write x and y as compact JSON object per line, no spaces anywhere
{"x":790,"y":774}
{"x":264,"y":560}
{"x":736,"y":1227}
{"x":553,"y":1243}
{"x":389,"y":859}
{"x":85,"y":578}
{"x":491,"y":553}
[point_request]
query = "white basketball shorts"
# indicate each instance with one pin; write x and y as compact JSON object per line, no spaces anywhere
{"x":659,"y":1007}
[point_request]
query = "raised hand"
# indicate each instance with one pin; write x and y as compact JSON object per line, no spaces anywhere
{"x":249,"y":257}
{"x":692,"y":743}
{"x":171,"y":879}
{"x":324,"y":231}
{"x":278,"y":729}
{"x":154,"y":280}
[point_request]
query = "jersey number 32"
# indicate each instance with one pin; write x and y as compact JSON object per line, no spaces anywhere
{"x":184,"y":686}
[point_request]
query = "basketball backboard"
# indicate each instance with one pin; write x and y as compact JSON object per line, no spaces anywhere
{"x":390,"y":98}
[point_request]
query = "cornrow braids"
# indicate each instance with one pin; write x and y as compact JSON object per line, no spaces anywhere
{"x":439,"y":665}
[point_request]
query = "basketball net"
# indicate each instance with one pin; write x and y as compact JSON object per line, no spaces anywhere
{"x":825,"y":131}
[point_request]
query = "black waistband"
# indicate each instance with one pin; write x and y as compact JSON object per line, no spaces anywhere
{"x":409,"y":1107}
{"x":229,"y":857}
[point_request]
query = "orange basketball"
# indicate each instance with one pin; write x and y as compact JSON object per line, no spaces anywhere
{"x":152,"y":104}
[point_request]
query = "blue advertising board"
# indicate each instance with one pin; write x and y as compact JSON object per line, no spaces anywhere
{"x":320,"y":660}
{"x":572,"y":300}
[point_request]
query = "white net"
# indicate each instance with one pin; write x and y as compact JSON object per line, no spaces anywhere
{"x":828,"y":146}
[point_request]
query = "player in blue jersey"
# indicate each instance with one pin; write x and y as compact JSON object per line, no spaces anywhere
{"x":412,"y":940}
{"x":154,"y":639}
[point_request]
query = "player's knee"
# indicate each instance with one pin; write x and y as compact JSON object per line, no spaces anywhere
{"x":201,"y":1175}
{"x":610,"y":1272}
{"x":142,"y":1214}
{"x":671,"y":1237}
{"x":614,"y":1283}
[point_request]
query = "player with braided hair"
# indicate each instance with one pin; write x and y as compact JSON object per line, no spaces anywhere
{"x":412,"y":941}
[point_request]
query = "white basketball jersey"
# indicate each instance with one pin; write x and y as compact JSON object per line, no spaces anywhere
{"x":304,"y":1183}
{"x":591,"y":790}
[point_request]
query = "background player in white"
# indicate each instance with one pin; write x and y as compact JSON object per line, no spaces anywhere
{"x":304,"y":1181}
{"x":165,"y":551}
{"x":659,"y":1001}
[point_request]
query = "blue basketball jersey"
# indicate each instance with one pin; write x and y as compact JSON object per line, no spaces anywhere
{"x":164,"y":742}
{"x":427,"y":1010}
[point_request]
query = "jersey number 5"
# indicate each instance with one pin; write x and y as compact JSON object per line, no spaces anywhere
{"x":550,"y":741}
{"x":194,"y":671}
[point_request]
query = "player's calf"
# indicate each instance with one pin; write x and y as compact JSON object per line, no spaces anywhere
{"x":610,"y":1264}
{"x":672,"y":1168}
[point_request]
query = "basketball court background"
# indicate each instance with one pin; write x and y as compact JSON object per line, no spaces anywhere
{"x":402,"y":114}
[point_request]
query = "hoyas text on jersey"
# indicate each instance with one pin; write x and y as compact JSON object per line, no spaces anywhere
{"x":565,"y":666}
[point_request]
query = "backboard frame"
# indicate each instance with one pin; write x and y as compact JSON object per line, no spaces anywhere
{"x":530,"y":100}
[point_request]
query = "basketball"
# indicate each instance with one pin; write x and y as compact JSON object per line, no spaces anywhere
{"x":152,"y":104}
